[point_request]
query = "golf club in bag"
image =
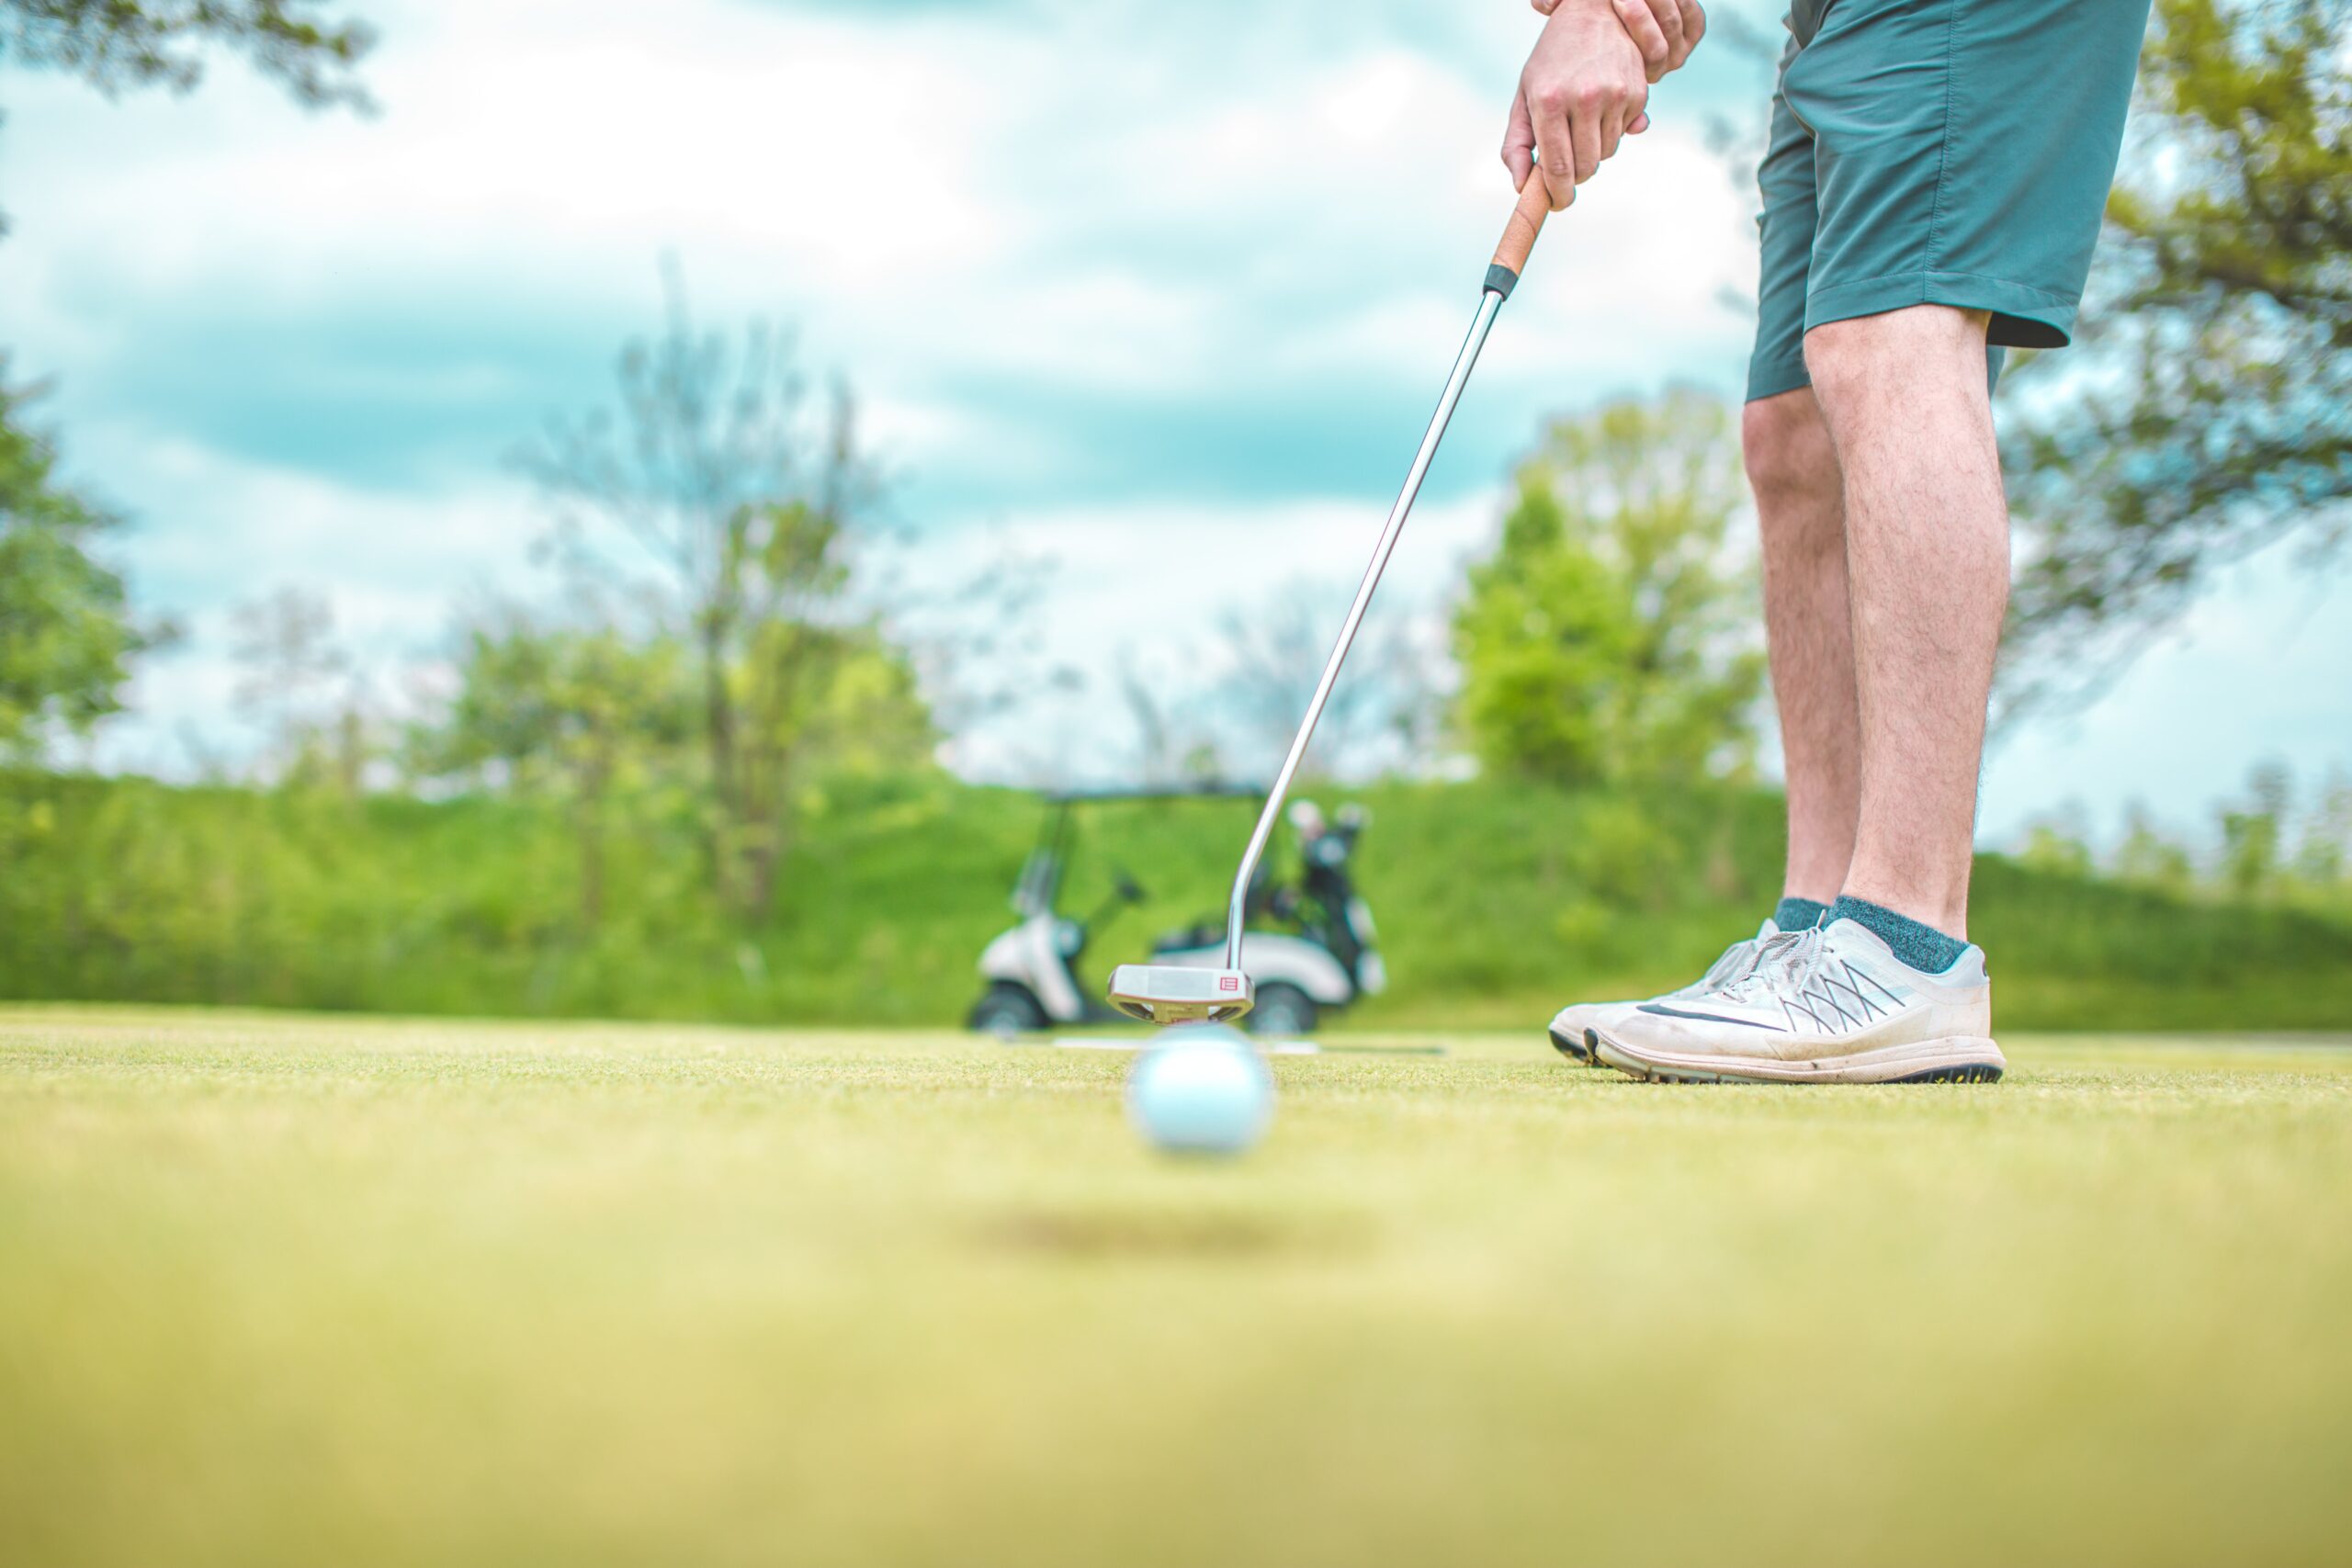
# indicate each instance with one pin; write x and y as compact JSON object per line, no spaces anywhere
{"x":1161,"y":993}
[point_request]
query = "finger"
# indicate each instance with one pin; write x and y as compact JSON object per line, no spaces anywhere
{"x":1667,"y":13}
{"x":1612,"y":125}
{"x":1554,"y":147}
{"x":1545,"y":7}
{"x":1694,"y":26}
{"x":1636,"y":111}
{"x":1519,"y":142}
{"x":1584,"y":132}
{"x":1641,"y":123}
{"x":1558,"y":187}
{"x":1647,"y":36}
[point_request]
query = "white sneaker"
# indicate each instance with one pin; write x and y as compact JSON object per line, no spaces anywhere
{"x":1572,"y":1027}
{"x":1832,"y":1005}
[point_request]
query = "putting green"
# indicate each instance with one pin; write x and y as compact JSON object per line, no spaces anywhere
{"x":309,"y":1290}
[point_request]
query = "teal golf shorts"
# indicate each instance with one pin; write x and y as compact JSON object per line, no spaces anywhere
{"x":1939,"y":153}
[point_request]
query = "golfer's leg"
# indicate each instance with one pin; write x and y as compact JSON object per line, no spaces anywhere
{"x":1928,"y":560}
{"x":1793,"y":466}
{"x":1794,"y":470}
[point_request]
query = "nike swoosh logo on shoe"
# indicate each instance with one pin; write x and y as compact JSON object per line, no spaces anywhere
{"x":1711,"y":1017}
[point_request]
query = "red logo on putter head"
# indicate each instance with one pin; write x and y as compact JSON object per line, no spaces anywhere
{"x":1227,"y":983}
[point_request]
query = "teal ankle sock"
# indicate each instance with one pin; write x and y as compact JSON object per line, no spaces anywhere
{"x":1923,"y":948}
{"x":1799,"y":914}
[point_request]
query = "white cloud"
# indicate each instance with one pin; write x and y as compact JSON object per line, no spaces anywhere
{"x":953,"y":197}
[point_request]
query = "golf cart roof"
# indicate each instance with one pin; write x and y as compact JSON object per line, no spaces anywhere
{"x":1210,"y":789}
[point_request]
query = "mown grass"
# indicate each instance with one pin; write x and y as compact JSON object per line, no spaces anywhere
{"x":1498,"y":902}
{"x":283,"y":1290}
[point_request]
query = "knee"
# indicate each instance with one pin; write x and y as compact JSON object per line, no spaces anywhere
{"x":1785,"y":444}
{"x":1867,"y":356}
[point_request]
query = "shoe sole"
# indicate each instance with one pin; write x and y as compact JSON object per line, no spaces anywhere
{"x":1955,"y":1059}
{"x":1575,"y":1047}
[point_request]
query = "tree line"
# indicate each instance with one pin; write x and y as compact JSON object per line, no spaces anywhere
{"x":2274,"y":843}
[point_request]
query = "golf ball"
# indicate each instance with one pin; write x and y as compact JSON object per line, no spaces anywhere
{"x":1201,"y":1089}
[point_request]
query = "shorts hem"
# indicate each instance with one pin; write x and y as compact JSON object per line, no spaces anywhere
{"x":1771,"y":378}
{"x":2023,"y":315}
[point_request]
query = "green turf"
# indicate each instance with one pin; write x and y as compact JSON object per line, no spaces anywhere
{"x":309,"y":1291}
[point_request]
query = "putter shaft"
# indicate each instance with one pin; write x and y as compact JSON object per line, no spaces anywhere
{"x":1490,"y":301}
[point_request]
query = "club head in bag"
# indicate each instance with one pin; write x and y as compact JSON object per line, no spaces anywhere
{"x":1164,"y":993}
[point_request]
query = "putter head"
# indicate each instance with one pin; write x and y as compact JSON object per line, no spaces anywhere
{"x":1165,"y":993}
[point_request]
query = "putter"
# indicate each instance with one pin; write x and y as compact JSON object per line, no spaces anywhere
{"x":1165,"y":993}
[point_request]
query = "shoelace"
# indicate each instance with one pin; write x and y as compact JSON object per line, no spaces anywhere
{"x":1729,"y":966}
{"x":1785,"y":961}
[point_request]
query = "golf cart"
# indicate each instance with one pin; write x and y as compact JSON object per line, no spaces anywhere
{"x":1319,"y":957}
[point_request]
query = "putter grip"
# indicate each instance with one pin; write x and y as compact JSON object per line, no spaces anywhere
{"x":1519,"y":234}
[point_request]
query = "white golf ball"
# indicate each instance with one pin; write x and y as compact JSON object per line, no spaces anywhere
{"x":1201,"y":1089}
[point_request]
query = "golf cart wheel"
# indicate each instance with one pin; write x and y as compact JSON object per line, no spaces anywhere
{"x":1007,"y":1009}
{"x":1281,"y":1009}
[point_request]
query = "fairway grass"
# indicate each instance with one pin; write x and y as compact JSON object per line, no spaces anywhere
{"x":302,"y":1289}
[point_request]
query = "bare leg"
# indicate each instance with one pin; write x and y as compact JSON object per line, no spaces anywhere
{"x":1793,"y":468}
{"x":1927,"y":556}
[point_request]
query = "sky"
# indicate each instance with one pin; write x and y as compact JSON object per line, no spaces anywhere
{"x":1155,"y":298}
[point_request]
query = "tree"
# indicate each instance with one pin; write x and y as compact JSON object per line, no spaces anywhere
{"x":118,"y":44}
{"x":290,"y":672}
{"x":300,"y":685}
{"x":1160,"y":742}
{"x":2325,"y":846}
{"x":2214,"y":417}
{"x":2254,"y":834}
{"x":573,"y":711}
{"x":2058,"y":842}
{"x":1261,"y":669}
{"x":588,"y":714}
{"x":67,"y":634}
{"x":2149,"y":857}
{"x":1176,"y":743}
{"x":1275,"y":651}
{"x":743,"y":496}
{"x":1607,"y":638}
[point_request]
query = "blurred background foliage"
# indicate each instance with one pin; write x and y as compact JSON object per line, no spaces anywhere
{"x":1608,"y":638}
{"x":697,"y":780}
{"x":125,"y":44}
{"x":2211,"y":416}
{"x":67,"y":634}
